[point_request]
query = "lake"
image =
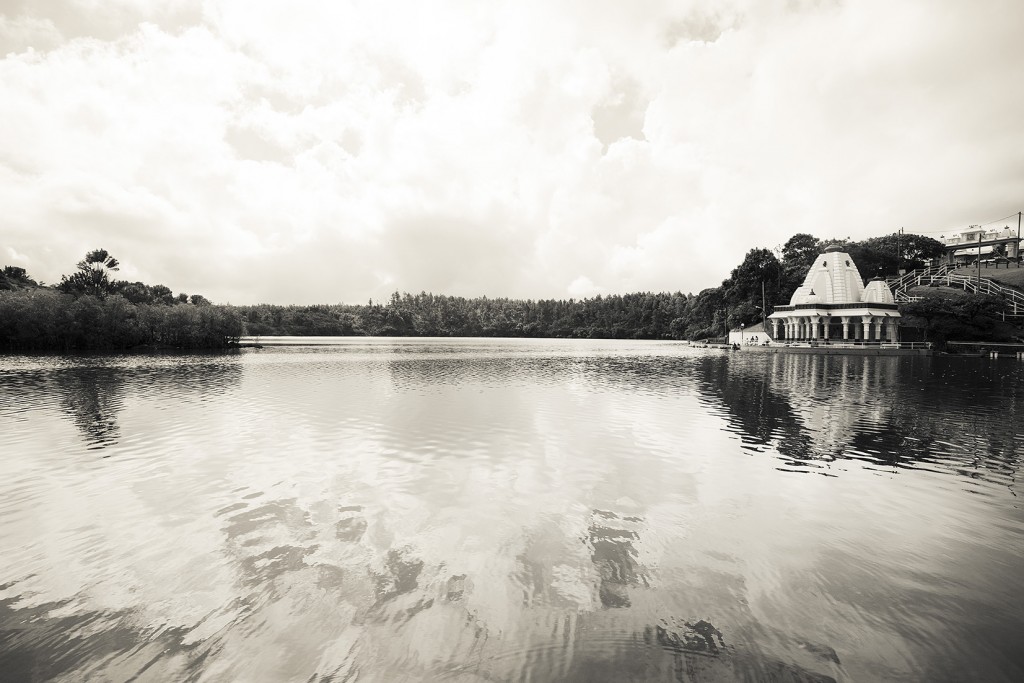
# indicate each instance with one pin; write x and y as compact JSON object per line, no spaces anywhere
{"x":492,"y":510}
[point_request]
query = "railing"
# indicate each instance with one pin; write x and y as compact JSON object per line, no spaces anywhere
{"x":851,"y":344}
{"x":914,"y":277}
{"x":835,"y":307}
{"x":996,"y":345}
{"x":1013,"y":298}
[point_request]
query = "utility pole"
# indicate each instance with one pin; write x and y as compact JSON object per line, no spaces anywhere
{"x":980,"y":235}
{"x":1017,"y":250}
{"x":764,"y":311}
{"x":899,"y":254}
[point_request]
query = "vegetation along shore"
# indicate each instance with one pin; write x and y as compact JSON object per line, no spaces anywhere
{"x":91,"y":310}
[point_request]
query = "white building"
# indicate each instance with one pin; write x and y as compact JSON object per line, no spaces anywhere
{"x":756,"y":334}
{"x":976,"y":242}
{"x":833,"y":305}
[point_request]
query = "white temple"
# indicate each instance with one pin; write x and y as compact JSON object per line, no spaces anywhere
{"x":833,"y":305}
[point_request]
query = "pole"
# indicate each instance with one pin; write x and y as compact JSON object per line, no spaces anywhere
{"x":979,"y":262}
{"x":1018,"y":239}
{"x":898,"y":259}
{"x":764,"y":311}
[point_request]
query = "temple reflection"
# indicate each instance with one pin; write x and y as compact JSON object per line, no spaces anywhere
{"x":816,"y":409}
{"x":611,"y":539}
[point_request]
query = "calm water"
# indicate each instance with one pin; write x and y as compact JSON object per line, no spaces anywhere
{"x":510,"y":510}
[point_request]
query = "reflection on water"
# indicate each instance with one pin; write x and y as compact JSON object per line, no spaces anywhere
{"x":891,"y":412}
{"x":470,"y":510}
{"x":92,"y":397}
{"x":611,"y":540}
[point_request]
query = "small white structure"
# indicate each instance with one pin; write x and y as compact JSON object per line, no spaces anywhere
{"x":833,"y":305}
{"x":755,"y":334}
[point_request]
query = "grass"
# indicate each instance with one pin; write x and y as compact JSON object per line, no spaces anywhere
{"x":942,"y":292}
{"x":1013,"y":277}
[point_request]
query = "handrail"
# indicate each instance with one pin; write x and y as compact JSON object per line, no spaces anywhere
{"x":941,"y":274}
{"x":849,"y":344}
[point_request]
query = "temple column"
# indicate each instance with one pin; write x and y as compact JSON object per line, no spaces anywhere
{"x":828,"y":323}
{"x":846,"y":326}
{"x":879,"y":329}
{"x":775,"y":328}
{"x":866,"y":321}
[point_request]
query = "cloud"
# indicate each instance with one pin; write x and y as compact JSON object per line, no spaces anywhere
{"x":318,"y":153}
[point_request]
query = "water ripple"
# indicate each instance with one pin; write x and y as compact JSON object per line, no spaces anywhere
{"x":509,"y":510}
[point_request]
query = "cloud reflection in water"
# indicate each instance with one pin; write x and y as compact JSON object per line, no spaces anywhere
{"x":554,"y":510}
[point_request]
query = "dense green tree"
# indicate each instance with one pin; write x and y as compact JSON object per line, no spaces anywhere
{"x":89,"y":310}
{"x":743,"y":289}
{"x":907,"y":251}
{"x":978,"y":309}
{"x":53,"y":320}
{"x":14,"y":277}
{"x":135,"y":292}
{"x":798,"y":253}
{"x":929,"y":309}
{"x":92,"y":275}
{"x":161,"y":294}
{"x":958,"y":316}
{"x":887,"y":255}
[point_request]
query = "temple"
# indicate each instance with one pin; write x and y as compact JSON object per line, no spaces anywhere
{"x":834,"y":306}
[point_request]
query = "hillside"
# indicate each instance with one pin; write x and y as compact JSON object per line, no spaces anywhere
{"x":951,"y":293}
{"x":1013,"y":277}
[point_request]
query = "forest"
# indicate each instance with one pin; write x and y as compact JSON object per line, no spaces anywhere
{"x":90,"y":309}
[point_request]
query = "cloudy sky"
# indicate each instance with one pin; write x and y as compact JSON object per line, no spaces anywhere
{"x":321,"y":152}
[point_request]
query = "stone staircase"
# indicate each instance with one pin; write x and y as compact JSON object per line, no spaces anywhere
{"x":944,"y":275}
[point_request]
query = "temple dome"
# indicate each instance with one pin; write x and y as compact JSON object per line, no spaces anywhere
{"x":833,"y":278}
{"x":877,"y":292}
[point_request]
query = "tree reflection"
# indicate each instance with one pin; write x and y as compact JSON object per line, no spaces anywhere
{"x":93,"y":396}
{"x":48,"y":642}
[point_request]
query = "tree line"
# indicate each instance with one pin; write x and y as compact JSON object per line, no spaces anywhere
{"x":89,"y":309}
{"x":775,"y":274}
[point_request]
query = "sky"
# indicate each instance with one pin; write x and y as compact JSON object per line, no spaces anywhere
{"x":327,"y":152}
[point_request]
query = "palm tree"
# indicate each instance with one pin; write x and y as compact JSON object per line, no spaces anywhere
{"x":98,"y":260}
{"x":92,"y":276}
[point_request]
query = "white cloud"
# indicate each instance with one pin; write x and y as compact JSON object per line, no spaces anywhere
{"x":582,"y":287}
{"x":322,"y":152}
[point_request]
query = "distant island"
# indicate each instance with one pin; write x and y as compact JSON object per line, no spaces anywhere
{"x":90,"y":309}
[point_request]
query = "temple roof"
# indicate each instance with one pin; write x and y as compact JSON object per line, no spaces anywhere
{"x":833,"y":278}
{"x":877,"y":292}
